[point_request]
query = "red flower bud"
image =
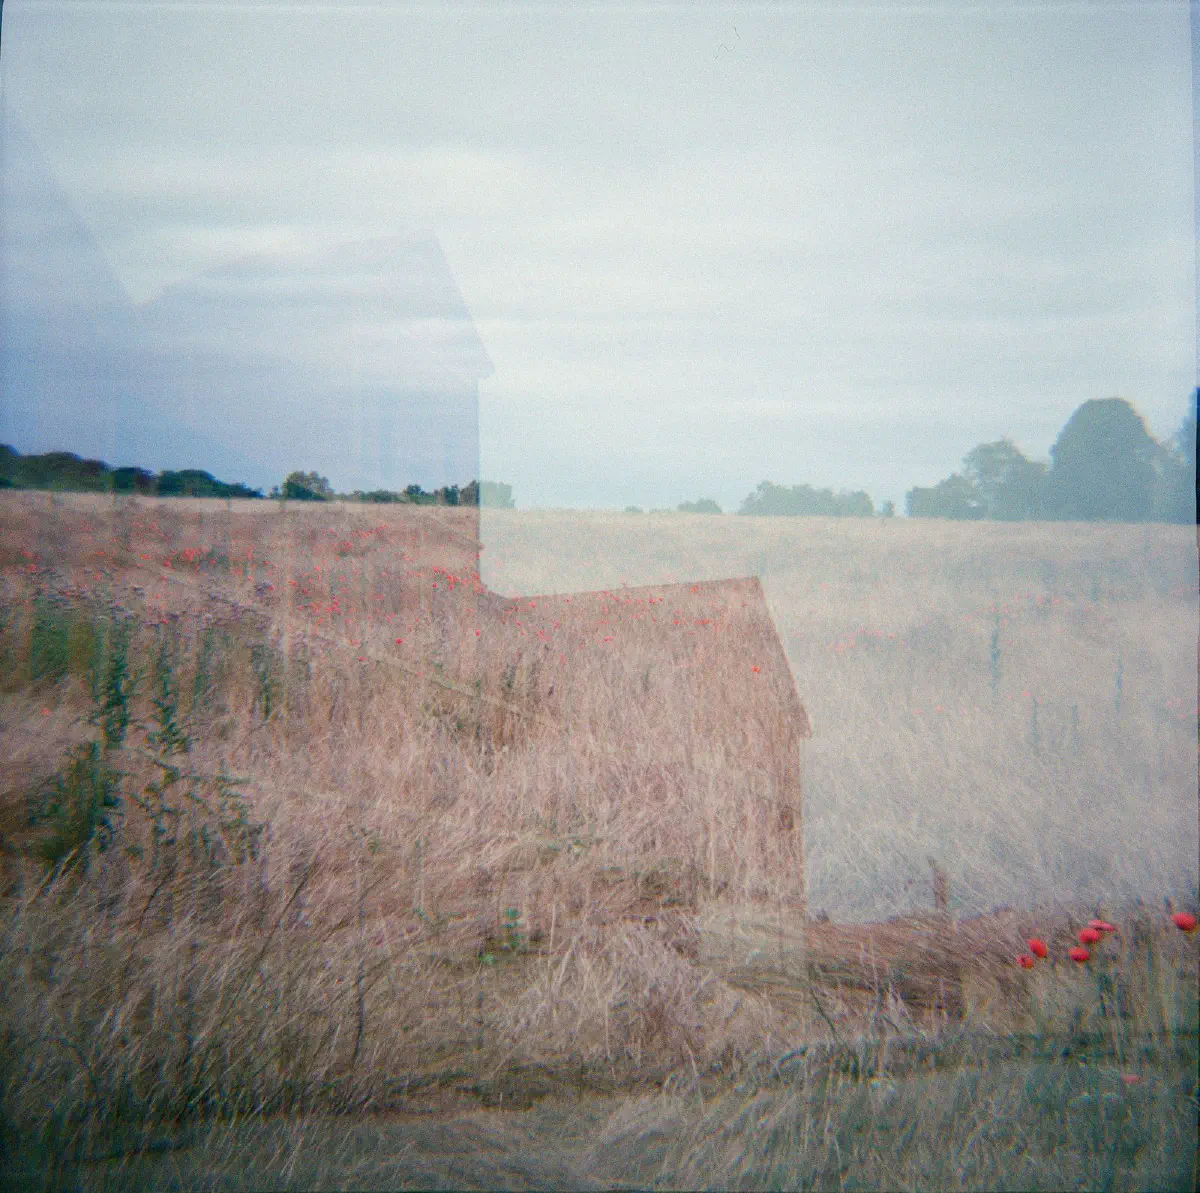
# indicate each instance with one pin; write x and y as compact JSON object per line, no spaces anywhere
{"x":1079,"y":955}
{"x":1038,"y":947}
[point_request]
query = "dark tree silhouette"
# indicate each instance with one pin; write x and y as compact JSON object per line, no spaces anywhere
{"x":771,"y":499}
{"x":1007,"y":486}
{"x":1175,"y":488}
{"x":1103,"y":465}
{"x":306,"y":486}
{"x":954,"y":497}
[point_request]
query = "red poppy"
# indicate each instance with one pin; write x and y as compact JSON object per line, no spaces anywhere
{"x":1079,"y":955}
{"x":1102,"y":925}
{"x":1184,"y":921}
{"x":1038,"y":947}
{"x":1088,"y":936}
{"x":1025,"y":961}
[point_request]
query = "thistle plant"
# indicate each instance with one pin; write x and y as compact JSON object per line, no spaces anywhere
{"x":80,"y":805}
{"x":168,"y":736}
{"x":116,"y":688}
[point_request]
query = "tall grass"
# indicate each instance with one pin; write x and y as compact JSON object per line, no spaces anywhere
{"x":262,"y":858}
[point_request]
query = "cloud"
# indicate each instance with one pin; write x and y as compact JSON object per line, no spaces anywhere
{"x":927,"y":226}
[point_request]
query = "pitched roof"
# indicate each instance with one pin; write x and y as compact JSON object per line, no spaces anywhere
{"x":379,"y":313}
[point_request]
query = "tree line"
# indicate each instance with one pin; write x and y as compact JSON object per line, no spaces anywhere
{"x":308,"y":486}
{"x":1104,"y":466}
{"x":67,"y":472}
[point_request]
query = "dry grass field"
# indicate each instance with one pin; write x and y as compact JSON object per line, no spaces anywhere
{"x":325,"y":865}
{"x":979,"y":691}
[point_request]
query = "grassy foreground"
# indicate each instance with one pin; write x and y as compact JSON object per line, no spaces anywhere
{"x":323,"y":867}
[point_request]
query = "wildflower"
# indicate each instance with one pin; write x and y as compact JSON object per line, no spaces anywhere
{"x":754,"y":669}
{"x":1079,"y":955}
{"x":1130,"y":1078}
{"x":399,"y":641}
{"x":1184,"y":921}
{"x":1025,"y":961}
{"x":1088,"y":936}
{"x":1102,"y":925}
{"x":1038,"y":947}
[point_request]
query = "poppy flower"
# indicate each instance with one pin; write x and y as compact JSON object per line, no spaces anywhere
{"x":1079,"y":955}
{"x":1130,"y":1078}
{"x":1184,"y":921}
{"x":1025,"y":961}
{"x":1038,"y":947}
{"x":1088,"y":936}
{"x":1102,"y":925}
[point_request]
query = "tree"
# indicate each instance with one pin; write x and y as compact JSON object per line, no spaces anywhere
{"x":771,"y":499}
{"x":306,"y":486}
{"x":1103,"y":465}
{"x":495,"y":495}
{"x":131,"y":479}
{"x":1175,"y":468}
{"x":705,"y":505}
{"x":1007,"y":486}
{"x":887,"y":509}
{"x":953,"y":497}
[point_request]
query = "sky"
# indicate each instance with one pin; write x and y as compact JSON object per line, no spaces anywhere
{"x":702,"y":246}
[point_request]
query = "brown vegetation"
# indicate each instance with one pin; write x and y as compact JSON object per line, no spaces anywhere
{"x":422,"y":840}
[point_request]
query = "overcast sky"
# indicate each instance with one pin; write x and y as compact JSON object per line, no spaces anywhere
{"x":703,"y":245}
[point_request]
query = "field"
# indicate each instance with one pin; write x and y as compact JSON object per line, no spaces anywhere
{"x":324,"y":865}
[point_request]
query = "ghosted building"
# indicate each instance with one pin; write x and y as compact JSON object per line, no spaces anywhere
{"x":359,"y":361}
